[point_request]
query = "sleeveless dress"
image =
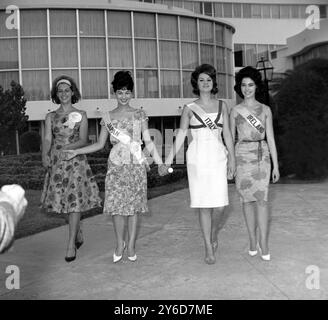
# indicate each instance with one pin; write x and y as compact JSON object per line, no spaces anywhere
{"x":126,"y":179}
{"x":252,"y":160}
{"x":207,"y":164}
{"x":69,"y":185}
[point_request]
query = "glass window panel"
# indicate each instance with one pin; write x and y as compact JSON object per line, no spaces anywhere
{"x":59,"y":50}
{"x":237,"y":10}
{"x":239,"y":54}
{"x":63,"y":22}
{"x":219,"y":34}
{"x":169,"y":54}
{"x":168,"y":27}
{"x":168,"y":2}
{"x":147,"y":83}
{"x":178,"y":3}
{"x":250,"y":55}
{"x":93,"y":52}
{"x":189,"y":52}
{"x":266,"y":11}
{"x":4,"y":31}
{"x":36,"y":85}
{"x":67,"y":72}
{"x":284,"y":12}
{"x":228,"y":38}
{"x":295,"y":11}
{"x":220,"y":60}
{"x":198,"y":7}
{"x":94,"y":84}
{"x":119,"y":23}
{"x":247,"y":11}
{"x":187,"y":87}
{"x":188,"y":5}
{"x":256,"y":10}
{"x":206,"y":31}
{"x":207,"y":54}
{"x":146,"y":54}
{"x":6,"y":77}
{"x":230,"y":87}
{"x":227,"y":10}
{"x":188,"y":29}
{"x":208,"y":8}
{"x":34,"y":53}
{"x":33,"y":23}
{"x":275,"y":11}
{"x":144,"y":25}
{"x":8,"y":54}
{"x":221,"y":80}
{"x":120,"y":53}
{"x":262,"y":51}
{"x":92,"y":22}
{"x":170,"y":84}
{"x":218,"y":11}
{"x":229,"y":68}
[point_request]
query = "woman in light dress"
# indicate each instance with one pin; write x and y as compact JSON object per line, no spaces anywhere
{"x":126,"y":179}
{"x":253,"y":122}
{"x":208,"y":160}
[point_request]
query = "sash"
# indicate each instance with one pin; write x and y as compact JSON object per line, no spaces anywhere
{"x":134,"y":147}
{"x":203,"y":115}
{"x":252,"y":120}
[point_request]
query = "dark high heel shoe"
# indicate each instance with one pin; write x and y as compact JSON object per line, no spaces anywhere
{"x":72,"y":258}
{"x":79,"y":242}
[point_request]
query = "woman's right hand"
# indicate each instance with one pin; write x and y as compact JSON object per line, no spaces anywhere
{"x":68,"y":154}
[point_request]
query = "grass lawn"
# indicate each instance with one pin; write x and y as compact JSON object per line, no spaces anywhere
{"x":35,"y":221}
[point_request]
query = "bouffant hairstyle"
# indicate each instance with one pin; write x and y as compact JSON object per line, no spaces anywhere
{"x":122,"y":79}
{"x":76,"y":93}
{"x":255,"y":75}
{"x":207,"y":69}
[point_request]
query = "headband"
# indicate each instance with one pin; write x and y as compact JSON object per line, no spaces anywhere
{"x":63,"y":81}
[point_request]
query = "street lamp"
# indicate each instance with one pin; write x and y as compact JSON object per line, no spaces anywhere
{"x":266,"y":69}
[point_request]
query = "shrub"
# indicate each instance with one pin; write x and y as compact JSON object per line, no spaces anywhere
{"x":30,"y":141}
{"x":302,"y":120}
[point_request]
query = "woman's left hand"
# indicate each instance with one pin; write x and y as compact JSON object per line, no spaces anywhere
{"x":275,"y":175}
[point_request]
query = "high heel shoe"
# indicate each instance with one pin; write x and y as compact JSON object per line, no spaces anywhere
{"x":78,"y":243}
{"x":72,"y":258}
{"x":265,"y":257}
{"x":133,"y":258}
{"x":118,"y":258}
{"x":252,"y":253}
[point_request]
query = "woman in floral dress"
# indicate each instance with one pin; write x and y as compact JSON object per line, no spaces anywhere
{"x":253,"y":121}
{"x":126,"y":179}
{"x":69,"y":187}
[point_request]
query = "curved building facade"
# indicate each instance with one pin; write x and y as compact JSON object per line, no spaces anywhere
{"x":159,"y":45}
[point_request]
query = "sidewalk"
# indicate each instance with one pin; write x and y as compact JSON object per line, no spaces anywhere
{"x":170,"y":252}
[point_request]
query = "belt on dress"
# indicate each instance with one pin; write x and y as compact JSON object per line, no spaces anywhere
{"x":259,"y":149}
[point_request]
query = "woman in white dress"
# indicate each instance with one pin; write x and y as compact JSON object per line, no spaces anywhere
{"x":208,"y":160}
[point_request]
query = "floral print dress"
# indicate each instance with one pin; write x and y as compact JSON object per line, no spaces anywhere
{"x":69,"y":184}
{"x":253,"y":166}
{"x":126,"y":179}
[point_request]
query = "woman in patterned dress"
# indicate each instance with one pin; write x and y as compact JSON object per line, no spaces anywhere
{"x":208,"y":161}
{"x":126,"y":179}
{"x":253,"y":157}
{"x":69,"y":187}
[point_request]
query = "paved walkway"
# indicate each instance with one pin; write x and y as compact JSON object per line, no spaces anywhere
{"x":170,"y":255}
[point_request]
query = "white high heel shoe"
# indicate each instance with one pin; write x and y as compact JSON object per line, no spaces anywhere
{"x":265,"y":257}
{"x":252,"y":253}
{"x":118,"y":258}
{"x":133,"y":258}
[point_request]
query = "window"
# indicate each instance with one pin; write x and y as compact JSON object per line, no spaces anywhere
{"x":323,"y":11}
{"x":120,"y":53}
{"x":33,"y":23}
{"x":284,"y":12}
{"x":206,"y":31}
{"x":237,"y":10}
{"x":168,"y":27}
{"x":256,"y":11}
{"x":207,"y":54}
{"x":275,"y":11}
{"x":188,"y":29}
{"x":119,"y":24}
{"x":170,"y":84}
{"x":35,"y":53}
{"x":147,"y":84}
{"x":4,"y":31}
{"x":94,"y":84}
{"x":62,"y":22}
{"x":218,"y":10}
{"x":239,"y":54}
{"x":92,"y":23}
{"x":9,"y":54}
{"x":93,"y":52}
{"x":169,"y":54}
{"x":227,"y":10}
{"x":295,"y":11}
{"x":189,"y":53}
{"x":144,"y":25}
{"x":36,"y":85}
{"x":59,"y":49}
{"x":208,"y":8}
{"x":247,"y":12}
{"x":266,"y":14}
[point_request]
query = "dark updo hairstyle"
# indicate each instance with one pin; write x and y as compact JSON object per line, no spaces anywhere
{"x":76,"y":93}
{"x":255,"y":75}
{"x":207,"y":69}
{"x":122,"y":79}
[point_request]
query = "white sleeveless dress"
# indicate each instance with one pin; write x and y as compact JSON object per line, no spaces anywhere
{"x":207,"y":164}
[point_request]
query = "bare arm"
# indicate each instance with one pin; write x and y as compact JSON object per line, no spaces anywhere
{"x":184,"y":125}
{"x":233,"y":125}
{"x":83,"y":139}
{"x":228,"y":142}
{"x":46,"y":142}
{"x":272,"y":145}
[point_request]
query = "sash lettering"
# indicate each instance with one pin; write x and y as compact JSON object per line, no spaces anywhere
{"x":203,"y":115}
{"x":252,"y":120}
